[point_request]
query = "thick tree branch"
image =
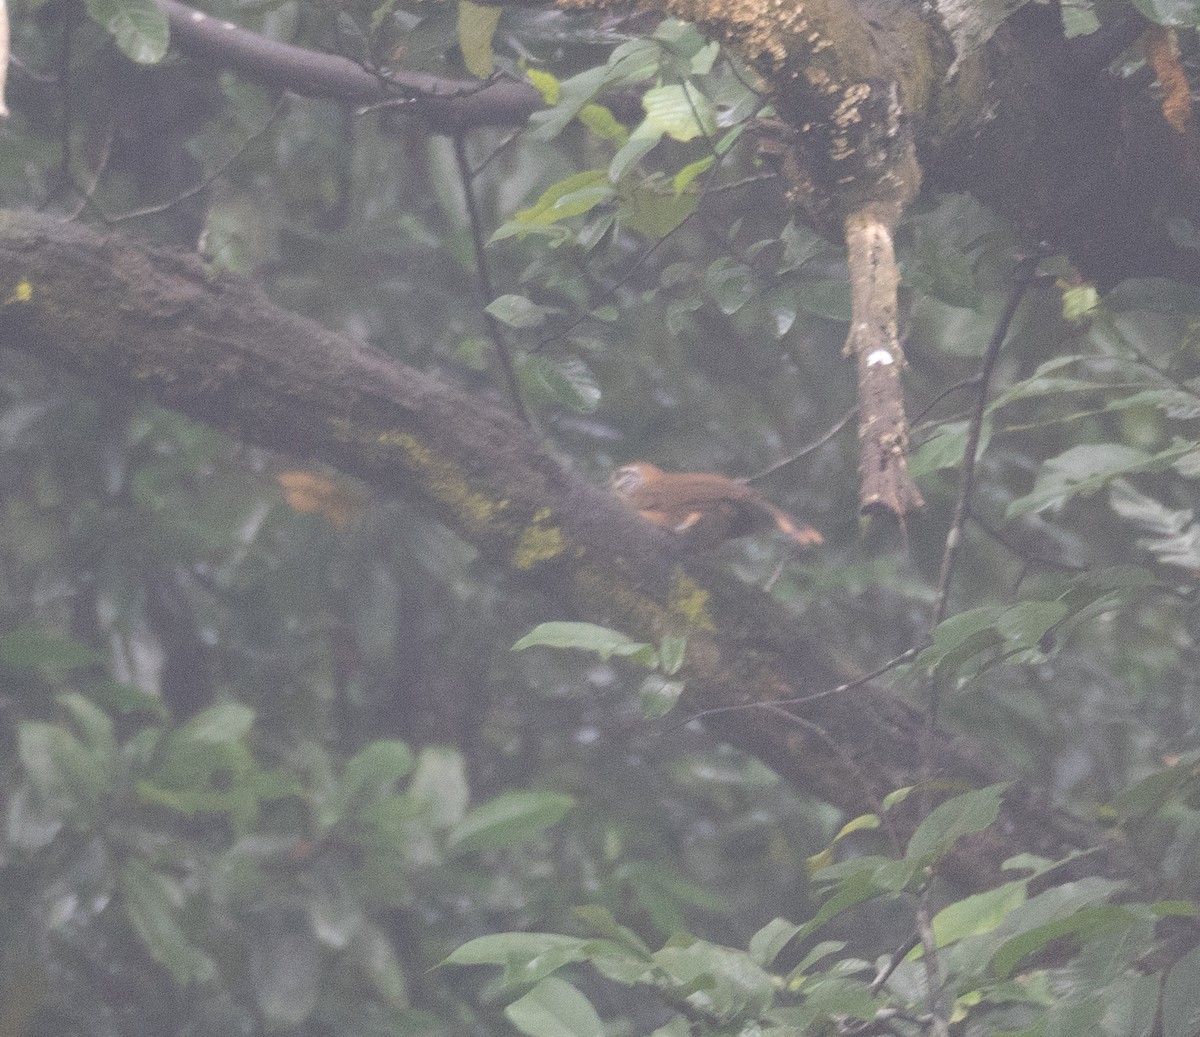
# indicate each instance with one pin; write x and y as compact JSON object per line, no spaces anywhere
{"x":451,"y":106}
{"x":163,"y":326}
{"x":874,"y":344}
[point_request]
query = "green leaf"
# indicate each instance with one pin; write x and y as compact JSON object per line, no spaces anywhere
{"x":1026,"y":623}
{"x":1180,"y":1001}
{"x":601,"y":921}
{"x":545,"y":83}
{"x":680,"y":110}
{"x":567,"y":381}
{"x":1084,"y":469}
{"x":730,"y":283}
{"x":507,"y":819}
{"x":671,"y":651}
{"x":224,"y":722}
{"x":124,"y":699}
{"x":765,"y":945}
{"x":518,"y":312}
{"x":979,"y":913}
{"x":570,"y":96}
{"x":573,"y":196}
{"x":138,"y":26}
{"x":603,"y":123}
{"x":640,"y":143}
{"x":1154,"y":792}
{"x":527,"y":948}
{"x":62,"y":770}
{"x":93,"y":724}
{"x":554,"y":1008}
{"x":42,"y":651}
{"x":726,"y":982}
{"x":149,"y":900}
{"x":476,"y":27}
{"x":376,"y":768}
{"x":957,"y":639}
{"x":1079,"y":301}
{"x":653,"y":211}
{"x":1087,"y":922}
{"x":657,"y":696}
{"x":852,"y":889}
{"x":440,"y":782}
{"x":688,"y":173}
{"x":950,"y":821}
{"x":591,"y":638}
{"x":947,"y":447}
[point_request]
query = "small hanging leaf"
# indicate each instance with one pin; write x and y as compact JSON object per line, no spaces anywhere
{"x":476,"y":27}
{"x":591,"y":638}
{"x":603,"y":123}
{"x":567,"y":381}
{"x":658,"y":696}
{"x":518,"y":312}
{"x":507,"y":819}
{"x":138,"y":26}
{"x":554,"y":1008}
{"x":950,"y":821}
{"x":680,"y":110}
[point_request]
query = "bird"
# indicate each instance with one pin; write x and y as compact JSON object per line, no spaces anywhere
{"x":702,"y":508}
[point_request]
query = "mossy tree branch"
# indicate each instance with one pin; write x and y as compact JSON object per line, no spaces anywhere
{"x":162,"y":326}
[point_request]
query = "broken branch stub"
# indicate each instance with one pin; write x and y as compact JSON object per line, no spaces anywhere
{"x":885,"y":484}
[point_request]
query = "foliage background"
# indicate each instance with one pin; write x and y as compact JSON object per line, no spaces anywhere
{"x":266,"y":764}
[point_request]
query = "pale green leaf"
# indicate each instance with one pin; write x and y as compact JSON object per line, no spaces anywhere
{"x":588,"y":636}
{"x":138,"y":26}
{"x":567,"y":381}
{"x":950,"y":821}
{"x":476,"y":27}
{"x":680,"y":111}
{"x":152,"y":903}
{"x":554,"y":1008}
{"x":507,"y":819}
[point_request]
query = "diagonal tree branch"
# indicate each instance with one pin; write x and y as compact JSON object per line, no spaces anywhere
{"x":161,"y":325}
{"x":451,"y":105}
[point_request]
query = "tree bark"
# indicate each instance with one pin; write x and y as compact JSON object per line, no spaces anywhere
{"x":160,"y":325}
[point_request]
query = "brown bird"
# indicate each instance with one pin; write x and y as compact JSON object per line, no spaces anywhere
{"x":702,"y":507}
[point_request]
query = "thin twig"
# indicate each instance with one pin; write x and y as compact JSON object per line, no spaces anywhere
{"x":804,"y":451}
{"x":88,"y":193}
{"x":839,"y":751}
{"x":939,"y":1020}
{"x":893,"y":962}
{"x":497,"y":150}
{"x":907,"y":656}
{"x":495,"y":331}
{"x":966,"y":383}
{"x":1023,"y":278}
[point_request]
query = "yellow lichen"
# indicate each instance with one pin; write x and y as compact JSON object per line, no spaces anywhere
{"x":538,"y":543}
{"x":443,"y":479}
{"x":689,"y":600}
{"x":22,"y":293}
